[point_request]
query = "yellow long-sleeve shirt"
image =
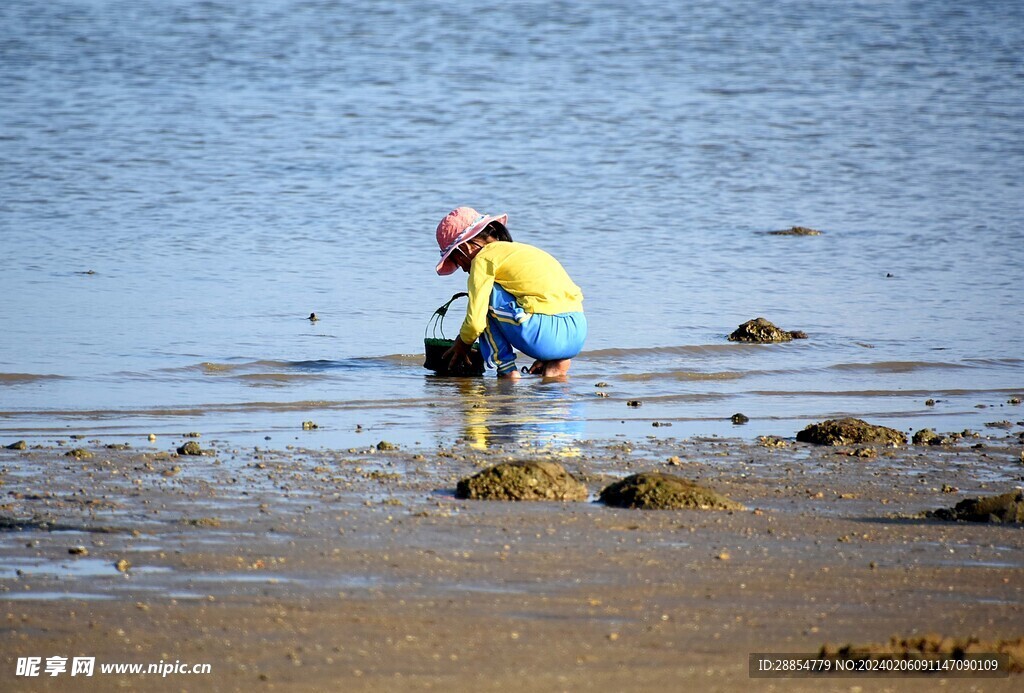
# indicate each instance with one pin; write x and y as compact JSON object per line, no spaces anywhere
{"x":537,"y":280}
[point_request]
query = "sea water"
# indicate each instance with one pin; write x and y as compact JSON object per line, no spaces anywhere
{"x":183,"y":183}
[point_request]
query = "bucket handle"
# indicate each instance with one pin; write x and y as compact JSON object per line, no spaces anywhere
{"x":436,"y":322}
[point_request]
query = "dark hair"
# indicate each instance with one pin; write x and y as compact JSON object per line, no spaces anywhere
{"x":497,"y":231}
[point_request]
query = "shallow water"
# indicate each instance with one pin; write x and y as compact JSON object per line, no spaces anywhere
{"x":181,"y":184}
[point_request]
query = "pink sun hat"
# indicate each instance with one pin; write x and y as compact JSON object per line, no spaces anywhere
{"x":462,"y":224}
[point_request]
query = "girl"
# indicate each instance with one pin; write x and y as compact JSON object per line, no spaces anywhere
{"x":519,"y":297}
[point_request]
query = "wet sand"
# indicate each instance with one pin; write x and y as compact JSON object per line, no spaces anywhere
{"x":300,"y":569}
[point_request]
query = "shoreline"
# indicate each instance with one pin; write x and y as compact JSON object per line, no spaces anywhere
{"x":301,"y":569}
{"x":495,"y":414}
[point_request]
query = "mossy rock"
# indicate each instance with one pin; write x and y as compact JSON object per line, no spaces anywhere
{"x":937,"y":648}
{"x":1004,"y":508}
{"x":660,"y":491}
{"x":926,"y":436}
{"x":850,"y":431}
{"x":796,"y":231}
{"x":79,"y":454}
{"x":522,"y":481}
{"x":761,"y":331}
{"x":190,"y":448}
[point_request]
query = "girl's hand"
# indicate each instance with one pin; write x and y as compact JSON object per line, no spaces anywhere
{"x":459,"y":353}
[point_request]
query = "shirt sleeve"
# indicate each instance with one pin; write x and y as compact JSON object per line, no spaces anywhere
{"x":481,"y":281}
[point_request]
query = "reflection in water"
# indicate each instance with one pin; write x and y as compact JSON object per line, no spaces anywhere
{"x":487,"y":412}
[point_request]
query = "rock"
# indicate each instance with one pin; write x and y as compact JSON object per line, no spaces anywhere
{"x":521,"y":481}
{"x":925,"y":436}
{"x":79,"y":454}
{"x":761,"y":331}
{"x":20,"y":445}
{"x":190,"y":448}
{"x":660,"y":491}
{"x":309,"y":426}
{"x":936,"y":647}
{"x":772,"y":442}
{"x":202,"y":522}
{"x":385,"y":445}
{"x":1006,"y":507}
{"x":123,"y":565}
{"x":78,"y":551}
{"x":1005,"y":425}
{"x":866,"y":453}
{"x":929,"y":403}
{"x":634,"y":403}
{"x":739,"y":419}
{"x":850,"y":431}
{"x":796,"y":231}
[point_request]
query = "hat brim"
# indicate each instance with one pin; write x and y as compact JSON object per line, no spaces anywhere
{"x":446,"y":265}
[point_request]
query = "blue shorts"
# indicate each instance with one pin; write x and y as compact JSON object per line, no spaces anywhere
{"x":539,"y":336}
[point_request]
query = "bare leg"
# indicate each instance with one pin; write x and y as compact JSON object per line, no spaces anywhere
{"x":557,"y":369}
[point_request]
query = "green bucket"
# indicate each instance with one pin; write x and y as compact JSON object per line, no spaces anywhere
{"x":437,"y":344}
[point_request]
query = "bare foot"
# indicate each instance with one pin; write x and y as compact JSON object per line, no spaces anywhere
{"x":557,"y":369}
{"x":511,"y":375}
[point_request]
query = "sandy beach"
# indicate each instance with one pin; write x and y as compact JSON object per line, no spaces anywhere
{"x":186,"y":184}
{"x":301,"y":569}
